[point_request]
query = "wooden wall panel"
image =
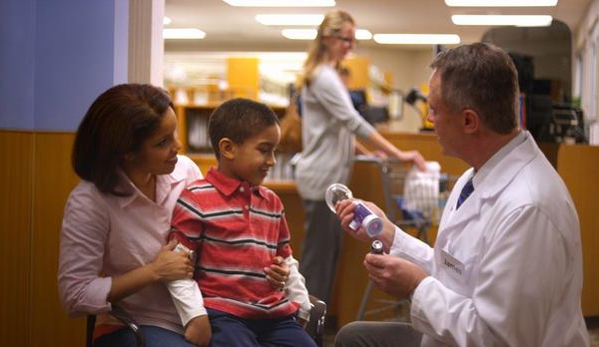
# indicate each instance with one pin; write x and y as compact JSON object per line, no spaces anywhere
{"x":16,"y":178}
{"x":578,"y":166}
{"x":53,"y":181}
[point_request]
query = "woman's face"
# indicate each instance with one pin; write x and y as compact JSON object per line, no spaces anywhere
{"x":158,"y":153}
{"x":341,"y":44}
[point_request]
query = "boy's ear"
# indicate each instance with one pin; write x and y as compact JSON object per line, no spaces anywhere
{"x":227,"y":148}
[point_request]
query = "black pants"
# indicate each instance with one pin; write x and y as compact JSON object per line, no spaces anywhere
{"x":321,"y":248}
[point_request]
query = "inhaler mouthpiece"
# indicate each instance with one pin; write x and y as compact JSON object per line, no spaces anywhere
{"x":363,"y":216}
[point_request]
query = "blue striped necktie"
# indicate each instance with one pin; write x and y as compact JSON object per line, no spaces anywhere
{"x":465,"y":193}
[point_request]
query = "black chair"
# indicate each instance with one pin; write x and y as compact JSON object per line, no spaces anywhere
{"x":314,"y":328}
{"x":122,"y":316}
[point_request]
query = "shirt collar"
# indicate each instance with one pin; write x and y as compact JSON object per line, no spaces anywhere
{"x":498,"y":157}
{"x":163,"y":183}
{"x":228,"y":185}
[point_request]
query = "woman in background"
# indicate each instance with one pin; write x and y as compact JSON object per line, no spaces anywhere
{"x":330,"y":124}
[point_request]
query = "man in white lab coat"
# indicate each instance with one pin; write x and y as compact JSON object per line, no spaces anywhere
{"x":506,"y":268}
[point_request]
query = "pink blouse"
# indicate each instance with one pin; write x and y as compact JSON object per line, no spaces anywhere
{"x":111,"y":235}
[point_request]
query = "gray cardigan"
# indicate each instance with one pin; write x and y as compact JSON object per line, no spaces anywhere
{"x":329,"y":124}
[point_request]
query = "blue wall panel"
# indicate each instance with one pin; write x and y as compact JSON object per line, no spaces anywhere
{"x":56,"y":58}
{"x":17,"y":49}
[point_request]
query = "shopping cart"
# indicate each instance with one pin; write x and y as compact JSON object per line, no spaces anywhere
{"x":414,"y":202}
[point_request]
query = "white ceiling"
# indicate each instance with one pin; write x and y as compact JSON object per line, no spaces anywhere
{"x":233,"y":28}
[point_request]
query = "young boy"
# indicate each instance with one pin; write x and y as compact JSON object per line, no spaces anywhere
{"x":238,"y":230}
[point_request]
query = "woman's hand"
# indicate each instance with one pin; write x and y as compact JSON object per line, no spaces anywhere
{"x":414,"y":157}
{"x":198,"y":331}
{"x":277,"y":273}
{"x":169,"y":265}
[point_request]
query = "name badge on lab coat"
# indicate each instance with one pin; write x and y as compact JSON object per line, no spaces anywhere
{"x":453,"y":266}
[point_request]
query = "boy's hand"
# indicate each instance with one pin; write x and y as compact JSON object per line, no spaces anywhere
{"x":277,"y":273}
{"x":198,"y":331}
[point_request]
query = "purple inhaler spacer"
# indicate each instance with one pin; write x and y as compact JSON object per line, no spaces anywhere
{"x":363,"y":216}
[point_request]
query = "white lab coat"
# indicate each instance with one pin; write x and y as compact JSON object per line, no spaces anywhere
{"x":506,"y":269}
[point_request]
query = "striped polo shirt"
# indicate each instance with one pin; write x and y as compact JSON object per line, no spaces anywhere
{"x":237,"y":230}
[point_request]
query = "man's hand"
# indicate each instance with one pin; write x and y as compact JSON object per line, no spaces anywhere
{"x":345,"y":212}
{"x":394,"y":276}
{"x":198,"y":331}
{"x":277,"y":273}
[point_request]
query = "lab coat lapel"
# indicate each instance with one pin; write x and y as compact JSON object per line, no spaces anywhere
{"x":503,"y":173}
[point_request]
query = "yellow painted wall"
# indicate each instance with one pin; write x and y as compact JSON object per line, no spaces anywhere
{"x":243,"y":77}
{"x":358,"y":67}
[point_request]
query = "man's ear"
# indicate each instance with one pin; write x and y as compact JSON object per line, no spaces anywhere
{"x":227,"y":148}
{"x":471,"y":121}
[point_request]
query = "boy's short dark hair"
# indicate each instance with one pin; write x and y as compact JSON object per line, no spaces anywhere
{"x":239,"y":119}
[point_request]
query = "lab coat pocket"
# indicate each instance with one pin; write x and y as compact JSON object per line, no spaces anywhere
{"x":457,"y":272}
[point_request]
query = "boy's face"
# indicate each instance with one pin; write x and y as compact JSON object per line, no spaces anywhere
{"x":253,"y":158}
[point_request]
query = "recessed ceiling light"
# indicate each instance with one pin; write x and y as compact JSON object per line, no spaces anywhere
{"x":416,"y":39}
{"x":183,"y":33}
{"x":281,"y":3}
{"x":290,"y":19}
{"x":166,"y":20}
{"x":517,"y":20}
{"x":500,"y":3}
{"x":299,"y":34}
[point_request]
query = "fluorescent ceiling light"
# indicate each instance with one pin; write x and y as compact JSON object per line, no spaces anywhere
{"x":166,"y":20}
{"x":281,"y":3}
{"x":183,"y":33}
{"x":290,"y":19}
{"x":517,"y":20}
{"x":363,"y":34}
{"x":310,"y":34}
{"x":500,"y":3}
{"x":416,"y":39}
{"x":299,"y":34}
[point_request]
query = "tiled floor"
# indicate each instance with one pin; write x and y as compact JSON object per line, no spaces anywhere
{"x":592,"y":325}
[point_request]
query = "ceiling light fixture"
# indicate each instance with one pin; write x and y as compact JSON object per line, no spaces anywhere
{"x":281,"y":3}
{"x":183,"y":33}
{"x":517,"y":20}
{"x":299,"y":34}
{"x":416,"y":39}
{"x":363,"y":34}
{"x":290,"y":19}
{"x":500,"y":3}
{"x":310,"y":34}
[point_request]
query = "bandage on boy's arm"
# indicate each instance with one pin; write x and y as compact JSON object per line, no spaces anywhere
{"x":295,"y":288}
{"x":186,"y":293}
